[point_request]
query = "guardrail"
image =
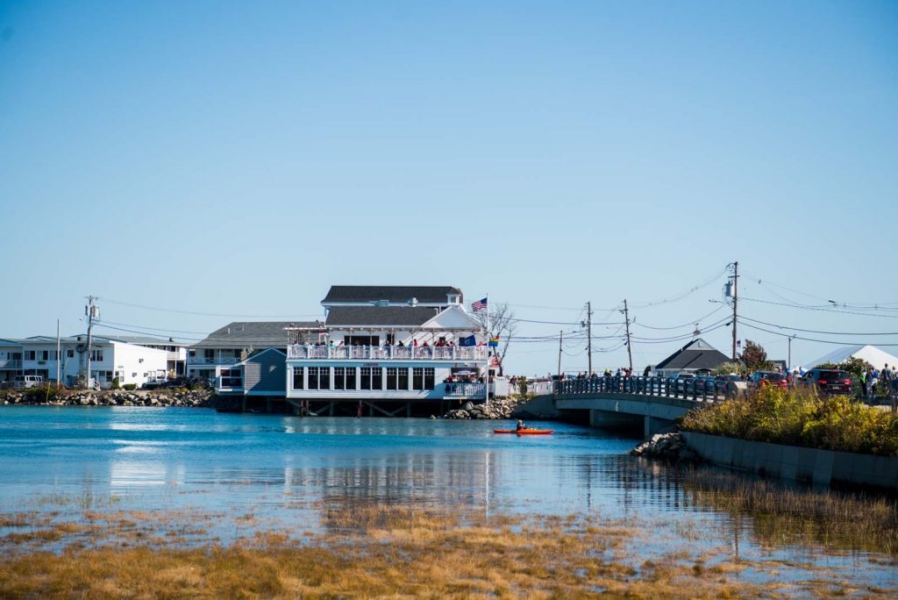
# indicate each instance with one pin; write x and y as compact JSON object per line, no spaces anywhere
{"x":664,"y":387}
{"x":300,"y":351}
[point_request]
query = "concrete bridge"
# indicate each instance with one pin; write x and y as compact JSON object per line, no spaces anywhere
{"x":652,"y":403}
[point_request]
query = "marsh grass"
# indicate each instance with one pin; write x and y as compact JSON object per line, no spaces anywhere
{"x":798,"y":516}
{"x":379,"y":552}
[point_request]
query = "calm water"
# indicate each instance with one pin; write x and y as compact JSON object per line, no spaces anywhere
{"x":285,"y":469}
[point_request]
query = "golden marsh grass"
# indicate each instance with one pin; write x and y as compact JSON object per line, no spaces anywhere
{"x":383,"y":552}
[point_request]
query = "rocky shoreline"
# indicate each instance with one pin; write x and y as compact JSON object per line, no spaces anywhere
{"x":670,"y":447}
{"x":162,"y":399}
{"x":497,"y":409}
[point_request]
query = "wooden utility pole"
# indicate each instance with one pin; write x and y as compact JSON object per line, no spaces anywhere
{"x":589,"y":335}
{"x":735,"y":302}
{"x":91,"y":310}
{"x":627,"y":323}
{"x":560,"y":340}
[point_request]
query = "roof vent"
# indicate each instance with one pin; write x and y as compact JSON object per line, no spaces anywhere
{"x":413,"y":301}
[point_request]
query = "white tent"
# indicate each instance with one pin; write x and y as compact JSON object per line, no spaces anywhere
{"x":871,"y":354}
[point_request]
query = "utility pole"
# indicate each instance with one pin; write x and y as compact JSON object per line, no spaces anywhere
{"x":735,"y":302}
{"x":789,"y":362}
{"x":560,"y":340}
{"x":92,"y":311}
{"x":627,"y":323}
{"x":589,"y":335}
{"x":58,"y":357}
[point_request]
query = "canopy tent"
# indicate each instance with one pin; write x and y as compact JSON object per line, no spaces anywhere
{"x":871,"y":354}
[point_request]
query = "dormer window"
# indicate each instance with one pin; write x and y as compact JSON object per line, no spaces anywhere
{"x":454,"y":299}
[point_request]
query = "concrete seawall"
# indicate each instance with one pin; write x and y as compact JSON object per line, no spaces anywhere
{"x":792,"y":462}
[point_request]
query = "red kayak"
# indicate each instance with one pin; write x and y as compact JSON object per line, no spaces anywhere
{"x":527,"y":431}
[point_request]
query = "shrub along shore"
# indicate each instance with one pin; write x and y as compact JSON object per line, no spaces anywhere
{"x":797,"y":417}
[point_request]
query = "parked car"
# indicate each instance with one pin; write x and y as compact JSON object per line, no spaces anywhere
{"x":829,"y":381}
{"x":682,"y":382}
{"x":705,"y":384}
{"x":761,"y":379}
{"x":723,"y":380}
{"x":23,"y":382}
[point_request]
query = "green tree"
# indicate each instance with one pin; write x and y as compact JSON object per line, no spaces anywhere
{"x":754,"y":357}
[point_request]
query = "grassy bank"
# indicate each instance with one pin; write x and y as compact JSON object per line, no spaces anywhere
{"x":800,"y":418}
{"x":402,"y":553}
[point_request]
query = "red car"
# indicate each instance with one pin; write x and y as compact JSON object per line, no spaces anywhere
{"x":761,"y":379}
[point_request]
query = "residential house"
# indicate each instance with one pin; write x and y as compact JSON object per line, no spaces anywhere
{"x":694,"y":356}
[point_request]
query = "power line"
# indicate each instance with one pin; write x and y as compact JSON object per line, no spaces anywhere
{"x":148,"y":334}
{"x":807,"y":339}
{"x":689,"y":324}
{"x":206,"y":314}
{"x":820,"y":332}
{"x":677,"y":297}
{"x":843,"y":312}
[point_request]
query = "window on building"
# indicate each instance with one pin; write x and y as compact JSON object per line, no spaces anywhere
{"x":417,"y":379}
{"x":391,"y":378}
{"x":429,"y":380}
{"x":231,"y":378}
{"x":324,"y":378}
{"x":97,"y":355}
{"x":70,"y":353}
{"x":298,"y":383}
{"x":339,"y":378}
{"x":30,"y":355}
{"x":350,"y":378}
{"x":372,"y":378}
{"x":313,"y":378}
{"x":397,"y":379}
{"x":45,"y":355}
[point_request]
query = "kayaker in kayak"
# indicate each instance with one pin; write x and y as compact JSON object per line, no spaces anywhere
{"x":521,"y":425}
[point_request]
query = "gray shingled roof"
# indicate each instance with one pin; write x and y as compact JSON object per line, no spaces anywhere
{"x":380,"y":316}
{"x":393,"y":293}
{"x":697,"y":354}
{"x":240,"y":334}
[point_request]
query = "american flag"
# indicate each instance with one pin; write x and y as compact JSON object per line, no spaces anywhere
{"x":479,"y":305}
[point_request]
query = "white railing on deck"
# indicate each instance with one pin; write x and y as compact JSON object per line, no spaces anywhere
{"x":465,"y":390}
{"x":202,"y":360}
{"x":302,"y":351}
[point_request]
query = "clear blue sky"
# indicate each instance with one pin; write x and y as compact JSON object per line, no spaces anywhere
{"x":239,"y":158}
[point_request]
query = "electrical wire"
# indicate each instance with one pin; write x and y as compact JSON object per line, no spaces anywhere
{"x":709,"y":281}
{"x":843,"y":312}
{"x":206,"y":314}
{"x":689,"y":324}
{"x":807,"y":339}
{"x":820,"y":332}
{"x":148,"y":334}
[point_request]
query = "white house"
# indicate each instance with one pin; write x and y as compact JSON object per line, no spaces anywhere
{"x":110,"y":358}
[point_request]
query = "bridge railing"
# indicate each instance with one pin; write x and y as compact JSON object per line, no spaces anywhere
{"x":665,"y":387}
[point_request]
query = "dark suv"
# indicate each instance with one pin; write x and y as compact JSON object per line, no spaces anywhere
{"x":830,"y":381}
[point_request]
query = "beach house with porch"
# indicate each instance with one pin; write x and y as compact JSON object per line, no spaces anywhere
{"x":389,"y":348}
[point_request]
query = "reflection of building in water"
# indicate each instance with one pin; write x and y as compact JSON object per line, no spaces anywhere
{"x":444,"y":480}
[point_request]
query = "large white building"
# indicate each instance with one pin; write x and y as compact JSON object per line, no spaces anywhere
{"x":109,"y":358}
{"x":389,"y":343}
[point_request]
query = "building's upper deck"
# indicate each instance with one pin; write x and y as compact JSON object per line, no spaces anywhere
{"x":385,"y":352}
